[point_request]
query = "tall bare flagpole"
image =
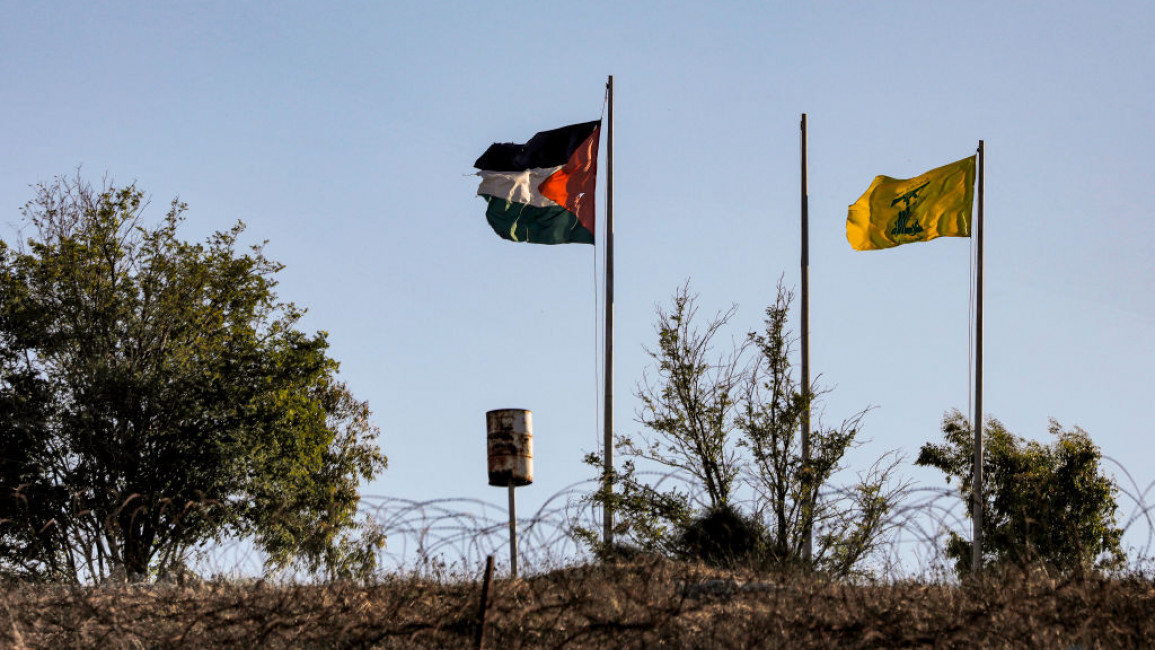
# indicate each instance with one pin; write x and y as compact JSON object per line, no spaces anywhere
{"x":977,"y":495}
{"x":608,"y":426}
{"x":808,"y":541}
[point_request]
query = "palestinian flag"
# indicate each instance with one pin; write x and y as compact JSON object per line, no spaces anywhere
{"x":542,"y":192}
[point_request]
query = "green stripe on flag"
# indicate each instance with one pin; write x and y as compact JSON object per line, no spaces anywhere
{"x":526,"y":223}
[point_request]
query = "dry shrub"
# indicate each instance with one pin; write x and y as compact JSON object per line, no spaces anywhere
{"x":647,"y":602}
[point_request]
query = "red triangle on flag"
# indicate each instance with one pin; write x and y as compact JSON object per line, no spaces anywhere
{"x":572,"y":186}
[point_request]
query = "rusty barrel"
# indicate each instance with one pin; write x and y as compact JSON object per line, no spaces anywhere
{"x":510,"y":441}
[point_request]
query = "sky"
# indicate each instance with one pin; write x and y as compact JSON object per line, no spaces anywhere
{"x":344,"y":135}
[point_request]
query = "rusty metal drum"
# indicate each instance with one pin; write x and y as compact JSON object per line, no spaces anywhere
{"x":510,"y":443}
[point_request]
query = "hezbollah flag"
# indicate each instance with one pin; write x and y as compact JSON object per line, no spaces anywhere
{"x":542,"y":191}
{"x":896,"y":211}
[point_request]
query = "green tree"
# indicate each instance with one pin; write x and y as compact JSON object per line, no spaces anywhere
{"x":1046,"y":505}
{"x":689,"y":408}
{"x":725,"y":421}
{"x":156,"y":395}
{"x":795,"y":494}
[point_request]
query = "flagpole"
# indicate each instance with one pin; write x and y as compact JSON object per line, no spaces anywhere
{"x":608,"y":426}
{"x":807,"y":532}
{"x":977,"y":496}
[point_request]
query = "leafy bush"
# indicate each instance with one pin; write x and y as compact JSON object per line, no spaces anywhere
{"x":1046,"y":505}
{"x":718,"y":422}
{"x":723,"y":537}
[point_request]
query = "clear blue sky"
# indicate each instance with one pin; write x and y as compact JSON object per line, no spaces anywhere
{"x":344,"y":133}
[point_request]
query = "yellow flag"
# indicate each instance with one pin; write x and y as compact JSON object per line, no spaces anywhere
{"x":896,"y":211}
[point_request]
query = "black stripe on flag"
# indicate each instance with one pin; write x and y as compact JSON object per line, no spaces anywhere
{"x":544,"y":149}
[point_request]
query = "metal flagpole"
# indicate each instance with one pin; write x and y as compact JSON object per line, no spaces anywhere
{"x":608,"y":433}
{"x":808,"y":510}
{"x":977,"y":489}
{"x":512,"y":531}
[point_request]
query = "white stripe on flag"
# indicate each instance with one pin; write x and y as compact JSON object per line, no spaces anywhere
{"x":517,"y":187}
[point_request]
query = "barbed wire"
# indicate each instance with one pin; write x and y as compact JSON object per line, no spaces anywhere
{"x":439,"y":536}
{"x":445,"y":537}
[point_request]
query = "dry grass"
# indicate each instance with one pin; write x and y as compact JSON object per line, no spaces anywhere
{"x":649,"y":603}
